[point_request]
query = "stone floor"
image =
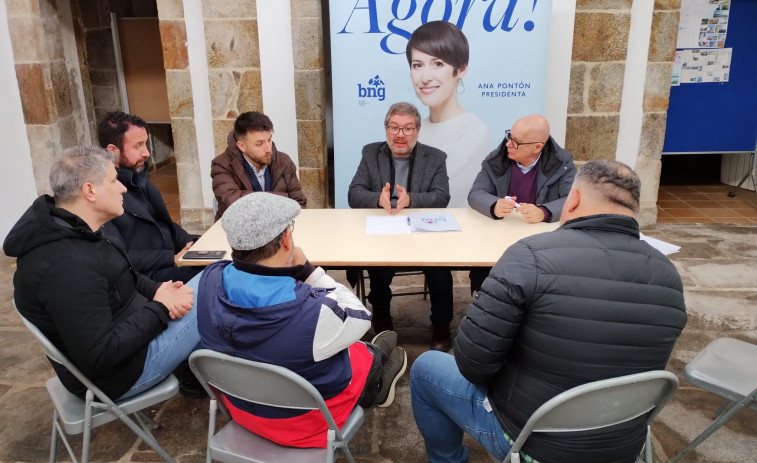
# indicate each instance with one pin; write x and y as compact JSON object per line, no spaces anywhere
{"x":718,"y":263}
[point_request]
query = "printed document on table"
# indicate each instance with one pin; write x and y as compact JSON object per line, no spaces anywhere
{"x":433,"y":222}
{"x":387,"y":225}
{"x":662,"y":246}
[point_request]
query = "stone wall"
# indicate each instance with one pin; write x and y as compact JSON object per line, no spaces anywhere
{"x":600,"y":44}
{"x":310,"y":95}
{"x":231,"y":40}
{"x":43,"y":82}
{"x":99,"y":58}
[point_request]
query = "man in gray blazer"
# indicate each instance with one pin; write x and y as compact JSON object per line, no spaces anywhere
{"x":394,"y":175}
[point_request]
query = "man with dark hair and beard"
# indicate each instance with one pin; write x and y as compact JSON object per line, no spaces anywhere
{"x":153,"y":242}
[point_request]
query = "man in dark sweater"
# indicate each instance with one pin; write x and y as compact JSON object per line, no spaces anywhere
{"x":152,"y":240}
{"x":587,"y":302}
{"x":528,"y":173}
{"x":123,"y":330}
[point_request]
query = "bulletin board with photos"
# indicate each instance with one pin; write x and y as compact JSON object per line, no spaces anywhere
{"x":713,"y":94}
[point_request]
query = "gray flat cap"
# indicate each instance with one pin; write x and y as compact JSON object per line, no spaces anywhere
{"x":254,"y":220}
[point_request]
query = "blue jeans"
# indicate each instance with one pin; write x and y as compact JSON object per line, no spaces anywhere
{"x":169,"y":348}
{"x":445,"y":405}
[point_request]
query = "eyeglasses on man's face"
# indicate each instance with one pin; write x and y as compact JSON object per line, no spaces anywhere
{"x":394,"y":130}
{"x":516,"y":144}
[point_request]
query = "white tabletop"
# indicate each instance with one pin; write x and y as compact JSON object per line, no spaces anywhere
{"x":337,"y":238}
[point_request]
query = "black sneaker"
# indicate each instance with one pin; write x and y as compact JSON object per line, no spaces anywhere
{"x":189,"y":385}
{"x":386,"y":341}
{"x":192,"y":390}
{"x":394,"y":366}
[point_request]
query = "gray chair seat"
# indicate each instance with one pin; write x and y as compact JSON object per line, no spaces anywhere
{"x":72,"y":415}
{"x":270,"y":385}
{"x":726,"y":367}
{"x":600,"y":404}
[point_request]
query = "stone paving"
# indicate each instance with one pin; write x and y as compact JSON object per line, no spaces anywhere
{"x":719,"y":269}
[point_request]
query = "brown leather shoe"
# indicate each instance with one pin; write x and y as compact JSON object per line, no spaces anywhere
{"x":441,"y":339}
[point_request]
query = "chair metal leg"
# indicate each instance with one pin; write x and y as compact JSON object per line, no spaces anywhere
{"x":147,"y":438}
{"x":648,"y":446}
{"x":62,"y":435}
{"x":211,"y":428}
{"x":723,"y":409}
{"x":347,"y":455}
{"x":330,"y":446}
{"x":86,"y":435}
{"x":722,"y":419}
{"x":147,"y":423}
{"x":54,"y":437}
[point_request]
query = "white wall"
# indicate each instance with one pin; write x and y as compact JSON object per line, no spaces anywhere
{"x":558,"y":67}
{"x":277,"y":72}
{"x":631,"y":106}
{"x":18,"y":188}
{"x":198,"y":70}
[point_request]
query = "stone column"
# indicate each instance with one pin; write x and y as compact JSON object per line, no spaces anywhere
{"x":173,"y":37}
{"x":43,"y":83}
{"x":600,"y":42}
{"x":655,"y":105}
{"x":103,"y":92}
{"x":310,"y":95}
{"x":231,"y":38}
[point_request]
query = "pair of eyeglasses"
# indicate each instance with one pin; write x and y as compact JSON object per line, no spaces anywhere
{"x":516,"y":144}
{"x":394,"y":130}
{"x":291,"y":227}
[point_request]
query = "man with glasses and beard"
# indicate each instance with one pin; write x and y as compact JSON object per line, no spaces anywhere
{"x":396,"y":174}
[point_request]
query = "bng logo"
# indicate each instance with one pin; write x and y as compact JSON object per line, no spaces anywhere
{"x":374,"y":89}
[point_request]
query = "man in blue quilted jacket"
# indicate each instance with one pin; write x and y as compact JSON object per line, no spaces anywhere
{"x":587,"y":302}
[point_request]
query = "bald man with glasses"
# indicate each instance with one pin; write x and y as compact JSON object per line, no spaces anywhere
{"x":528,"y":173}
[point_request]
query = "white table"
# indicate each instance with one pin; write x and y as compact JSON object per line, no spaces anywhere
{"x":337,"y":238}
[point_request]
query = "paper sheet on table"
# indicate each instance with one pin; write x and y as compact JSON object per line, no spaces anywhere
{"x":433,"y":222}
{"x":387,"y":225}
{"x":662,"y":246}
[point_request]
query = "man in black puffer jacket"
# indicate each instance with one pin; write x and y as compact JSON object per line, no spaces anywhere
{"x":587,"y":302}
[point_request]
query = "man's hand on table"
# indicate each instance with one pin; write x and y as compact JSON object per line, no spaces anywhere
{"x":504,"y":206}
{"x":385,"y":198}
{"x":180,"y":254}
{"x":531,"y":212}
{"x":403,"y":200}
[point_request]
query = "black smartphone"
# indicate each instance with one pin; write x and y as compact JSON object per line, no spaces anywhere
{"x":203,"y":255}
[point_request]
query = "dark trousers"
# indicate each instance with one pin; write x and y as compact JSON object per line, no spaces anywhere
{"x":439,"y":287}
{"x":477,"y":276}
{"x":373,"y":381}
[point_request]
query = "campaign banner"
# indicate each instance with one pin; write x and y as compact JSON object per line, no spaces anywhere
{"x":466,"y":106}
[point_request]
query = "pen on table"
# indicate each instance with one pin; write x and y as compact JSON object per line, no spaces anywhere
{"x":510,"y":198}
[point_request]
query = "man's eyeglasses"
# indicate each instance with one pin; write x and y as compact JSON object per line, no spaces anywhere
{"x":516,"y":144}
{"x":394,"y":130}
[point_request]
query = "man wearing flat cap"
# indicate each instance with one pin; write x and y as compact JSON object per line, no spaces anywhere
{"x":270,"y":304}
